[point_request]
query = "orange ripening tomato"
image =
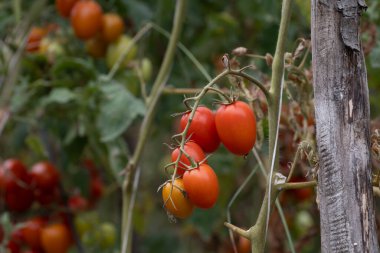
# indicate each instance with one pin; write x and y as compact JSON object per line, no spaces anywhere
{"x":182,"y":207}
{"x":86,"y":19}
{"x":112,"y":27}
{"x":193,"y":150}
{"x":56,"y":238}
{"x":34,"y":39}
{"x":236,"y":126}
{"x":96,"y":47}
{"x":202,"y":186}
{"x":64,"y":7}
{"x":31,"y":231}
{"x":202,"y":129}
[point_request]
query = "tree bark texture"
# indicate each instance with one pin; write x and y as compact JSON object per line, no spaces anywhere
{"x":342,"y":120}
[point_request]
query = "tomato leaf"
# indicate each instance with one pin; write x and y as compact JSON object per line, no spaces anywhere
{"x":60,"y":96}
{"x":117,"y":111}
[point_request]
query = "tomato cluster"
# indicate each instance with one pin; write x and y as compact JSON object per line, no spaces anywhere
{"x":39,"y":189}
{"x":103,"y":32}
{"x":196,"y":184}
{"x":40,"y":235}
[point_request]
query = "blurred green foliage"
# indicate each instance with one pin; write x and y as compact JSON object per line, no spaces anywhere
{"x":65,"y":109}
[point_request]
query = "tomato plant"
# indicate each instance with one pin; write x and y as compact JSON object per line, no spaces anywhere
{"x":236,"y":126}
{"x":112,"y":27}
{"x":202,"y":186}
{"x":176,"y":200}
{"x":56,"y":238}
{"x":194,"y":151}
{"x":86,"y":19}
{"x":202,"y":129}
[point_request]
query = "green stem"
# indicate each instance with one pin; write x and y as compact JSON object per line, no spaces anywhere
{"x":17,"y":10}
{"x":299,"y":185}
{"x":147,"y":122}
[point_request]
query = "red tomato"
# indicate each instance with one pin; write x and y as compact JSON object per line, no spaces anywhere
{"x":77,"y":202}
{"x":56,"y":238}
{"x":96,"y":188}
{"x":15,"y":242}
{"x":193,"y":150}
{"x":112,"y":27}
{"x":19,"y":198}
{"x":13,"y":173}
{"x":15,"y":185}
{"x":45,"y":176}
{"x":35,"y":36}
{"x":47,"y":196}
{"x":202,"y":186}
{"x":202,"y":129}
{"x":236,"y":126}
{"x":86,"y":19}
{"x":1,"y":234}
{"x":64,"y":7}
{"x":31,"y":232}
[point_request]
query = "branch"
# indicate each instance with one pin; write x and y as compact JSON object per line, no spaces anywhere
{"x":289,"y":186}
{"x":237,"y":230}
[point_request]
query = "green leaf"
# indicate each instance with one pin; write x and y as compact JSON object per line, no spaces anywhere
{"x":117,"y":111}
{"x":60,"y":96}
{"x":35,"y":144}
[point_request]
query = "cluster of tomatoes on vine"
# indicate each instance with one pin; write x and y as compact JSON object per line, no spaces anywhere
{"x":39,"y":189}
{"x":195,"y":182}
{"x":102,"y":32}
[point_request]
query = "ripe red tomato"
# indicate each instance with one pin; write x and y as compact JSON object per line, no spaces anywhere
{"x":202,"y":186}
{"x":182,"y":207}
{"x":86,"y":19}
{"x":13,"y":173}
{"x":77,"y":202}
{"x":15,"y":242}
{"x":236,"y":126}
{"x":1,"y":234}
{"x":15,"y":185}
{"x":19,"y":198}
{"x":46,"y":197}
{"x":56,"y":238}
{"x":45,"y":176}
{"x":31,"y":232}
{"x":193,"y":150}
{"x":202,"y":129}
{"x":34,"y":39}
{"x":112,"y":27}
{"x":64,"y":7}
{"x":96,"y":188}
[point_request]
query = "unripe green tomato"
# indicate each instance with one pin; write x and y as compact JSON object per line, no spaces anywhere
{"x":116,"y":49}
{"x":82,"y":226}
{"x":108,"y":235}
{"x":51,"y":48}
{"x":146,"y":69}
